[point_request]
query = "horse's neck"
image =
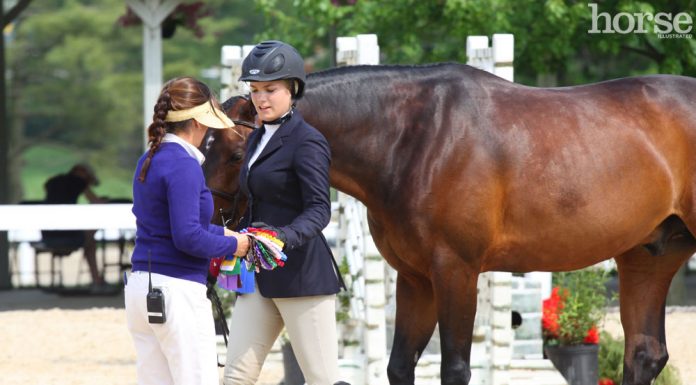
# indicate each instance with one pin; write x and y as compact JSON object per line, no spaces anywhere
{"x":380,"y":121}
{"x":351,"y":169}
{"x":355,"y":165}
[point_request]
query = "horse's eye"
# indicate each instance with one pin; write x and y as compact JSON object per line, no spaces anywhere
{"x":236,"y":156}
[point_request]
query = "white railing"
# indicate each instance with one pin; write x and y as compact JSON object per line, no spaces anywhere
{"x":66,"y":217}
{"x":231,"y":57}
{"x":24,"y":223}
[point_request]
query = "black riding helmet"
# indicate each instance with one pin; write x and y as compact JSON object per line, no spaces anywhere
{"x":274,"y":60}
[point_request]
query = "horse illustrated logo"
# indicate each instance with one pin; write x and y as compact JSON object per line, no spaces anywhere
{"x":665,"y":25}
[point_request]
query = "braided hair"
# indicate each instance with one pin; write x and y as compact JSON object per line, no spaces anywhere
{"x":177,"y":94}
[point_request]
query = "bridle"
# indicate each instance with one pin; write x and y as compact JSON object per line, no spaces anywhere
{"x":226,"y":216}
{"x":245,"y":123}
{"x":229,"y":214}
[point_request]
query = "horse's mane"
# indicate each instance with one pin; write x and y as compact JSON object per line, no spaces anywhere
{"x":380,"y":67}
{"x":463,"y":72}
{"x":396,"y":69}
{"x":370,"y":77}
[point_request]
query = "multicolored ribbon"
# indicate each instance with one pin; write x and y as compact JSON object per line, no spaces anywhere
{"x":265,"y":252}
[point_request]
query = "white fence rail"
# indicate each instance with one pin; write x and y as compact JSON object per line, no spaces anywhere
{"x":66,"y":217}
{"x":231,"y":57}
{"x":24,"y":223}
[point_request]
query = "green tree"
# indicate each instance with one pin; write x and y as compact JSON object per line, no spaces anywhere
{"x":9,"y":168}
{"x":551,"y":37}
{"x":76,"y":82}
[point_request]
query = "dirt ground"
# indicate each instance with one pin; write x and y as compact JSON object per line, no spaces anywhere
{"x":74,"y":344}
{"x":49,"y":339}
{"x":77,"y":339}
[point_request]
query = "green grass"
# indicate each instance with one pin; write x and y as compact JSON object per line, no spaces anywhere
{"x":42,"y":161}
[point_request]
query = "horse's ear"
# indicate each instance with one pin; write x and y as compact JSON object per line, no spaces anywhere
{"x":251,"y":110}
{"x":227,"y":104}
{"x":245,"y":108}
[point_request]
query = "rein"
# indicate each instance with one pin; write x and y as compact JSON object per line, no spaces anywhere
{"x":227,"y":215}
{"x":246,"y":124}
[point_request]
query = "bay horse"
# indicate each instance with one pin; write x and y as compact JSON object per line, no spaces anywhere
{"x":463,"y":172}
{"x":224,"y":152}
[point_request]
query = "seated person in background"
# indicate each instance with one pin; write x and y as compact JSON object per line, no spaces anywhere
{"x":66,"y":189}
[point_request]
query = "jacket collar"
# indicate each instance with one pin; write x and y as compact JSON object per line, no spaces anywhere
{"x":276,"y":141}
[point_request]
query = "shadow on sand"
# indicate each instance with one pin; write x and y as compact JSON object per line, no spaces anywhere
{"x":35,"y":299}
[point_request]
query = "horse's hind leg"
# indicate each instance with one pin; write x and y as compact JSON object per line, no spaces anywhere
{"x":416,"y":317}
{"x":644,"y":281}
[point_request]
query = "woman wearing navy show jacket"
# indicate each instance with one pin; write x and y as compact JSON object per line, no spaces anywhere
{"x":175,"y":241}
{"x":286,"y":178}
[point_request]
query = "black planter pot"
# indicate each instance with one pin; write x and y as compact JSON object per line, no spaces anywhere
{"x":578,"y":363}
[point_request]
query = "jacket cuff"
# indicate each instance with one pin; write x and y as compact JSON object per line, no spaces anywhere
{"x":290,"y":238}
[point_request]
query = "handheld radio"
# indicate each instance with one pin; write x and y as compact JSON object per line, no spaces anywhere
{"x":155,"y":298}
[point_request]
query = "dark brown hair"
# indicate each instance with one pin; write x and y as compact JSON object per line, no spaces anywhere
{"x":177,"y":94}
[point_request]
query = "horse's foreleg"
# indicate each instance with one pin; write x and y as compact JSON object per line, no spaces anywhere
{"x":416,"y":317}
{"x":644,"y":281}
{"x":455,"y":295}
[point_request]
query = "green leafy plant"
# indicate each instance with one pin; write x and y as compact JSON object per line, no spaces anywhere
{"x":577,"y":303}
{"x":611,"y":355}
{"x":611,"y":352}
{"x":344,"y":296}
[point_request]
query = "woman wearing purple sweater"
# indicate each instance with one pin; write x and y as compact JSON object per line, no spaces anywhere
{"x":175,"y":241}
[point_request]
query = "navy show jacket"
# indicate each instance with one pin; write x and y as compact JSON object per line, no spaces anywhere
{"x":288,"y":187}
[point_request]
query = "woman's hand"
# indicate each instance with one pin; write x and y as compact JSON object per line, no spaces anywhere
{"x":242,"y":242}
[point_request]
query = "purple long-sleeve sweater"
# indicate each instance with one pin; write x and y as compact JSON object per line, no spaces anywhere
{"x":173,"y":208}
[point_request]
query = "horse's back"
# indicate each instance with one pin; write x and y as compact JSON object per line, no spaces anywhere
{"x":586,"y":172}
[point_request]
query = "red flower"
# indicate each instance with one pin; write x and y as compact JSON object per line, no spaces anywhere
{"x":552,"y":306}
{"x":592,"y":336}
{"x":551,"y":309}
{"x":605,"y":381}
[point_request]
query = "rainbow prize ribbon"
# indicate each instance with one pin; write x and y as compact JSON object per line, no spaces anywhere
{"x":265,"y":252}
